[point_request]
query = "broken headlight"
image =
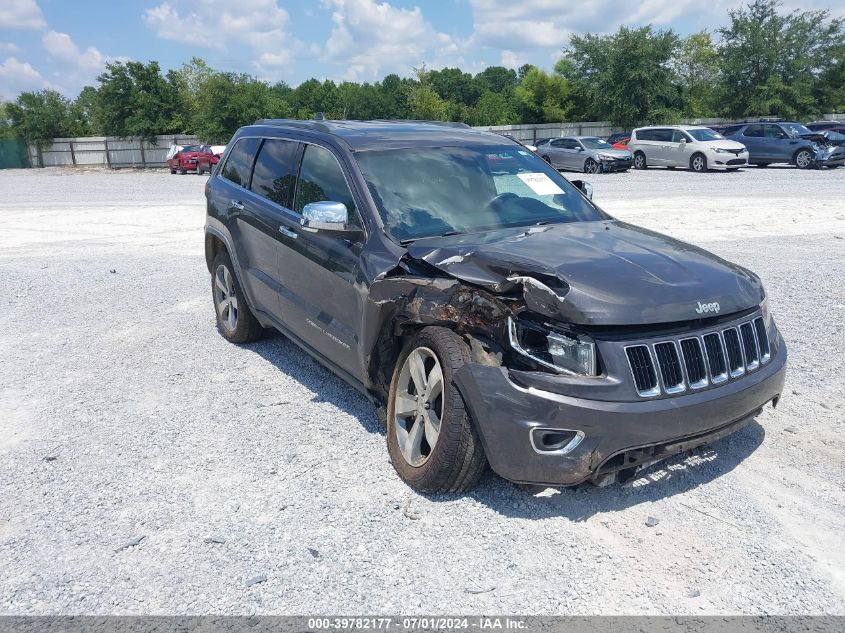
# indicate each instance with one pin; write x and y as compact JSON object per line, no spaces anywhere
{"x":567,"y":353}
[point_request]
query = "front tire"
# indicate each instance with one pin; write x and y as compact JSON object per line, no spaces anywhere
{"x":431,"y":440}
{"x":640,"y":161}
{"x":803,"y":159}
{"x":235,"y":320}
{"x":698,"y":163}
{"x":591,"y":166}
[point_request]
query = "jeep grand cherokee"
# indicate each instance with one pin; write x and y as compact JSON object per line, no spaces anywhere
{"x":483,"y":302}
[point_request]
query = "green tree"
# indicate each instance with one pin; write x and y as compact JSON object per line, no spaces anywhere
{"x":134,"y":99}
{"x":772,"y":62}
{"x":542,"y":98}
{"x":493,"y":109}
{"x":625,"y":77}
{"x":697,"y":67}
{"x":424,"y":102}
{"x":227,"y":101}
{"x":497,"y":79}
{"x":38,"y":116}
{"x":82,"y":113}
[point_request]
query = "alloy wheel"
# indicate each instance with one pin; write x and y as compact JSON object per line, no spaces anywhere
{"x":803,"y":159}
{"x":698,"y":163}
{"x":591,"y":166}
{"x":225,"y":299}
{"x":418,"y":408}
{"x":639,"y":161}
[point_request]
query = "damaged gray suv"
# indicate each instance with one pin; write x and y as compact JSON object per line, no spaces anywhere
{"x":483,"y":302}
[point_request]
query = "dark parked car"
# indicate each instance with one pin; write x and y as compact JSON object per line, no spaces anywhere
{"x":786,"y":142}
{"x":618,"y":137}
{"x":491,"y":310}
{"x":820,"y":126}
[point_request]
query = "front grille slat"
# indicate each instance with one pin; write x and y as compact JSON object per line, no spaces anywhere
{"x":697,"y":361}
{"x":762,"y":340}
{"x":642,"y":370}
{"x":716,"y":361}
{"x":736,"y":362}
{"x":694,"y":363}
{"x":749,"y":347}
{"x":670,"y":367}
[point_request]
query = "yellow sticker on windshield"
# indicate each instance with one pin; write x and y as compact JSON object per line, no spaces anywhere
{"x":540,"y":184}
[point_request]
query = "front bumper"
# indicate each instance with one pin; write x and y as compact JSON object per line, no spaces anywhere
{"x":719,"y":160}
{"x":616,"y":435}
{"x":619,"y":164}
{"x":835,"y":159}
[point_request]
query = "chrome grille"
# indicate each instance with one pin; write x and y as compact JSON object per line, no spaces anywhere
{"x":693,"y":362}
{"x":642,"y":369}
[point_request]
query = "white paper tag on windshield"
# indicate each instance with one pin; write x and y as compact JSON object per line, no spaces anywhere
{"x":540,"y":184}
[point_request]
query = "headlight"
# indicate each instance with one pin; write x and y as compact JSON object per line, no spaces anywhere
{"x":606,"y":157}
{"x":720,"y":150}
{"x":767,"y":315}
{"x":565,"y":353}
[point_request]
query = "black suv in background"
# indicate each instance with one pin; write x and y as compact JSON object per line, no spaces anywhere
{"x":497,"y":313}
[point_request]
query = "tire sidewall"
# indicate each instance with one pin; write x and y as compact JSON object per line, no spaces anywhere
{"x":239,"y":333}
{"x":809,"y":160}
{"x":640,"y":161}
{"x":692,"y":162}
{"x":425,"y":477}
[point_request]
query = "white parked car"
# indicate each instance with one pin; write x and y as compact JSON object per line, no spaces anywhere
{"x":694,"y":147}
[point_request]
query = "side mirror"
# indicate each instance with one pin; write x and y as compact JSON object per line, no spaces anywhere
{"x":584,"y":187}
{"x":326,"y":217}
{"x":683,"y":141}
{"x":579,"y":148}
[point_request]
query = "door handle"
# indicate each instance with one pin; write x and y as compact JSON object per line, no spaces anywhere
{"x":237,"y":204}
{"x":288,"y":232}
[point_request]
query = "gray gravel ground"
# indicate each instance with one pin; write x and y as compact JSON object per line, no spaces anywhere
{"x":123,"y":414}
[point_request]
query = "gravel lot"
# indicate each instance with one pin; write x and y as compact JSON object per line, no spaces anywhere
{"x":125,"y":416}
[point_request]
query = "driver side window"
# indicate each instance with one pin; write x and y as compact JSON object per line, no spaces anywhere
{"x":321,"y":179}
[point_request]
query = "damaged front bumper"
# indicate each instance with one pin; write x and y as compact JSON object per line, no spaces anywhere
{"x":595,"y":439}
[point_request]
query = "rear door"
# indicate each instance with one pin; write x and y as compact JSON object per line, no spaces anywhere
{"x":556,"y":153}
{"x":253,"y":225}
{"x":322,"y":287}
{"x":753,"y":139}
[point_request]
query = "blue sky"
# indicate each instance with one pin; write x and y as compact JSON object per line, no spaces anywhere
{"x":64,"y":44}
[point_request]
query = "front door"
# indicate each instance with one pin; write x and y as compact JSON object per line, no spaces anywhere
{"x":322,"y":290}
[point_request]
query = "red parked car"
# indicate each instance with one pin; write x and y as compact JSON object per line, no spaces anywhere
{"x":208,"y":157}
{"x":184,"y":160}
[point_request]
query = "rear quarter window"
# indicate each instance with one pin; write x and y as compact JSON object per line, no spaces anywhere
{"x":238,"y":165}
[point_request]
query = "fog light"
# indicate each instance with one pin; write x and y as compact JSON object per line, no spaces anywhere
{"x":555,"y":441}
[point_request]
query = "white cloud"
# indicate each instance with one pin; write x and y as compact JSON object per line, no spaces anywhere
{"x":17,"y":76}
{"x":218,"y":24}
{"x":74,"y":68}
{"x":370,"y":39}
{"x":21,"y":14}
{"x":8,"y":47}
{"x":63,"y":49}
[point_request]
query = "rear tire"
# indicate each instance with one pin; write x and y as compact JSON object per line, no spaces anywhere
{"x":698,"y":163}
{"x":172,"y":171}
{"x":431,"y":440}
{"x":235,"y":320}
{"x":640,"y":161}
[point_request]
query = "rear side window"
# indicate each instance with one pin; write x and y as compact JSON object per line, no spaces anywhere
{"x":754,"y":131}
{"x":275,"y":171}
{"x":239,"y":163}
{"x":321,"y":179}
{"x":655,"y":135}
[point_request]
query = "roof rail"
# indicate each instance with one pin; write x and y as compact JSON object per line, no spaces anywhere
{"x":305,"y":125}
{"x":455,"y":124}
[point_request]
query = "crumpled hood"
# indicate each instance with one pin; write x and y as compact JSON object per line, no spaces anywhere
{"x":597,"y":273}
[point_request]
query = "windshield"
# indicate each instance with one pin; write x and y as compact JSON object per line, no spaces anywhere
{"x":705,"y":134}
{"x":795,"y":129}
{"x":595,"y":143}
{"x":191,"y":148}
{"x":427,"y":191}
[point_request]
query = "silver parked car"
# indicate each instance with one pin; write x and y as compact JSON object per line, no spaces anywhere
{"x":589,"y":154}
{"x":694,"y":147}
